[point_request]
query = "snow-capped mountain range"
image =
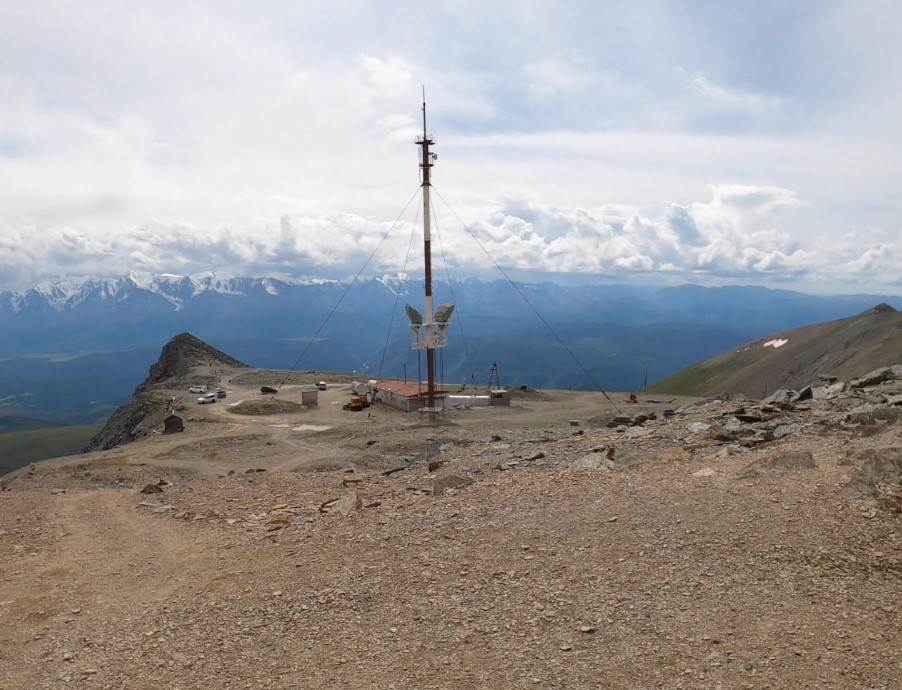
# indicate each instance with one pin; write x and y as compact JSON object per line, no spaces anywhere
{"x":175,"y":289}
{"x":99,"y":335}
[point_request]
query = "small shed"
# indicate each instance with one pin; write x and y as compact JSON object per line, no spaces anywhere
{"x":173,"y":422}
{"x":500,"y":397}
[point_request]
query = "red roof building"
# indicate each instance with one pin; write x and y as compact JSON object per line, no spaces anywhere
{"x":406,"y":396}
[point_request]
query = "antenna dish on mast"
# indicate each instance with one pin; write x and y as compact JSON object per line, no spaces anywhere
{"x":416,"y":318}
{"x":443,"y":314}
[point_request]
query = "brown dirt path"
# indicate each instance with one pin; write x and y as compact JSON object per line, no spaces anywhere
{"x":79,"y":559}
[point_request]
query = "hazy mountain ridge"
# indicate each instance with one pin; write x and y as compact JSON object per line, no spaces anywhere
{"x":73,"y":350}
{"x":131,"y":315}
{"x":12,"y":423}
{"x":624,"y":304}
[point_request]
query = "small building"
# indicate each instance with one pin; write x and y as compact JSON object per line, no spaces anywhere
{"x":492,"y":398}
{"x":408,"y":397}
{"x":500,"y":397}
{"x":173,"y":422}
{"x":310,"y":398}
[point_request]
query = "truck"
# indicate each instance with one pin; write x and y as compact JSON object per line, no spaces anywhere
{"x":356,"y":403}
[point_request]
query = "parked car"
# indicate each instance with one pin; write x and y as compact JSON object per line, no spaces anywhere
{"x":320,"y":385}
{"x":267,"y":390}
{"x":220,"y":393}
{"x":197,"y":388}
{"x":206,"y":398}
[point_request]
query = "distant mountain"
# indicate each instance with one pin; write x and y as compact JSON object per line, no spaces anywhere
{"x":10,"y":423}
{"x":72,"y":351}
{"x":791,"y":359}
{"x":94,"y":314}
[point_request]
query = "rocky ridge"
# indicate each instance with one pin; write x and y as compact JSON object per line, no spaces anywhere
{"x":144,"y":412}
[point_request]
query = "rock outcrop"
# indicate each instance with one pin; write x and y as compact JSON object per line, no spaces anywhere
{"x":153,"y":397}
{"x":184,"y":352}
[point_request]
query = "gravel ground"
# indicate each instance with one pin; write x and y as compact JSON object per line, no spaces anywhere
{"x":656,"y":556}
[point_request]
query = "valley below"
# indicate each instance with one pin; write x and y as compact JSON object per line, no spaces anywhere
{"x":570,"y":540}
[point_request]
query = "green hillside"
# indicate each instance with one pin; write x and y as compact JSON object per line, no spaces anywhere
{"x":14,"y":423}
{"x":18,"y":448}
{"x":792,"y":359}
{"x":709,"y":377}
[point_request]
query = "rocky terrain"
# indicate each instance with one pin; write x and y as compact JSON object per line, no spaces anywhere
{"x":564,"y":542}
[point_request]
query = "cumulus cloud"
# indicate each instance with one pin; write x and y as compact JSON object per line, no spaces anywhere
{"x":724,"y":238}
{"x":257,"y":138}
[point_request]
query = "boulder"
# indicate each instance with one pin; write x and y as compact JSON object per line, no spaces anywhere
{"x":449,"y":482}
{"x":875,"y":469}
{"x":831,"y":390}
{"x":592,"y":461}
{"x":796,"y":460}
{"x":718,"y":433}
{"x":873,"y":378}
{"x":790,"y":429}
{"x":805,"y":394}
{"x":779,"y":397}
{"x":348,"y":503}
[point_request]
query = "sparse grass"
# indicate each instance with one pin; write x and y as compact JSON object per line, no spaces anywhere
{"x":13,"y":423}
{"x":18,"y":448}
{"x":704,"y":378}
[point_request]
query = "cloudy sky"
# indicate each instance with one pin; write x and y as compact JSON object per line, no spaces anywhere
{"x":640,"y":140}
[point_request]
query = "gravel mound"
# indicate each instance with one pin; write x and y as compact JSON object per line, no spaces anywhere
{"x":266,"y":407}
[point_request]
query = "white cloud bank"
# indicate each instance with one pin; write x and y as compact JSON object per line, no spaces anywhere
{"x":725,"y":239}
{"x":625,"y":141}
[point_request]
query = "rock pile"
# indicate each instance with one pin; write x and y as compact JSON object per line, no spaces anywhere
{"x":862,"y":404}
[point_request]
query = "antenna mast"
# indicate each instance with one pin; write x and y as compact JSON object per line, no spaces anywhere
{"x":430,"y":333}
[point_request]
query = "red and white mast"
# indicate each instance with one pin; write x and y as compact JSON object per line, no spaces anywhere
{"x":429,"y":334}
